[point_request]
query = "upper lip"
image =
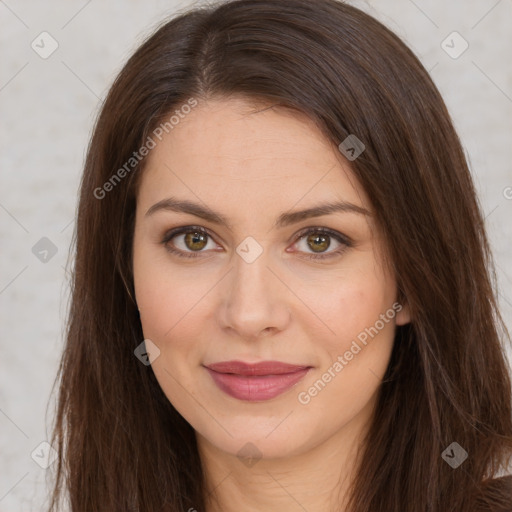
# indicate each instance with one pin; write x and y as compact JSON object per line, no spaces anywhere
{"x":261,"y":368}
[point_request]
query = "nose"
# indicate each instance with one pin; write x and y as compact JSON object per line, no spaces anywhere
{"x":254,"y":300}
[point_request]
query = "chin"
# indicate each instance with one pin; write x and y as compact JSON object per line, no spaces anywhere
{"x":254,"y":445}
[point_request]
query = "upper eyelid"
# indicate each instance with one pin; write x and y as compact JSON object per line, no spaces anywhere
{"x":321,"y":229}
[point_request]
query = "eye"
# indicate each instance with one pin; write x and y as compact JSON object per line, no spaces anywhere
{"x":319,"y":240}
{"x":191,"y":241}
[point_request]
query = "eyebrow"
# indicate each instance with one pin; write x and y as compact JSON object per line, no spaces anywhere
{"x":285,"y":219}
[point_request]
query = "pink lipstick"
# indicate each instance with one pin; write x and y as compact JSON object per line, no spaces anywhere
{"x":255,"y":382}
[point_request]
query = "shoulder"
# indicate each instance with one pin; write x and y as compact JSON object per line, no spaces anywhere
{"x":495,"y":495}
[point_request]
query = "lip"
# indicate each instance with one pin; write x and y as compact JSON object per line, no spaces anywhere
{"x":256,"y":382}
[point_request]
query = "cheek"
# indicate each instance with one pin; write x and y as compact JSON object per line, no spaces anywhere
{"x":358,"y":311}
{"x":351,"y":303}
{"x":169,"y":304}
{"x":352,"y":363}
{"x":174,"y":306}
{"x":163,"y":306}
{"x":165,"y":297}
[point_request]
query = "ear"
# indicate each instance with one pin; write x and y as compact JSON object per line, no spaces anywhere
{"x":403,"y":312}
{"x":403,"y":316}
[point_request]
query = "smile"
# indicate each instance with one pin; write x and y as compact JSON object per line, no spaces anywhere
{"x":255,"y":382}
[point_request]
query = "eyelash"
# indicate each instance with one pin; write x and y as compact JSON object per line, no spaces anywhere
{"x":344,"y":240}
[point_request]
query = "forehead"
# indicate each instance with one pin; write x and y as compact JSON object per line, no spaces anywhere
{"x":253,"y":154}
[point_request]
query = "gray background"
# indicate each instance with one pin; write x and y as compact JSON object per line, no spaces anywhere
{"x":47,"y":108}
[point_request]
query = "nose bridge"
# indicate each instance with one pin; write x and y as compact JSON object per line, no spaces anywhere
{"x":255,"y":298}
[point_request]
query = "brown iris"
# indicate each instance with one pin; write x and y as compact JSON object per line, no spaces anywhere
{"x":318,"y":242}
{"x":195,"y":240}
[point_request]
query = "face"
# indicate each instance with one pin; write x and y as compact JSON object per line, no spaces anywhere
{"x":274,"y":327}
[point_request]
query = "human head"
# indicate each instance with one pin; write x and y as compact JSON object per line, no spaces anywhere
{"x":412,"y":171}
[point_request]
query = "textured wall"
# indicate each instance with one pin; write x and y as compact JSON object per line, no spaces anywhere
{"x":47,"y":107}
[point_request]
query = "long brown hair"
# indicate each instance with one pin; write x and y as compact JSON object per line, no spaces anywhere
{"x":121,"y":444}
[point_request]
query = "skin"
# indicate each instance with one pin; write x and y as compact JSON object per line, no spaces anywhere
{"x":251,"y":163}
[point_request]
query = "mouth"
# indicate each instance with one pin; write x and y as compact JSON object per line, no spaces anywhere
{"x":256,"y":382}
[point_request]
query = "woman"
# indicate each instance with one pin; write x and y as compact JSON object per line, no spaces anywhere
{"x":282,"y":293}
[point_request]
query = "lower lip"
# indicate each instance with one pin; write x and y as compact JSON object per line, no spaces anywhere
{"x":256,"y":388}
